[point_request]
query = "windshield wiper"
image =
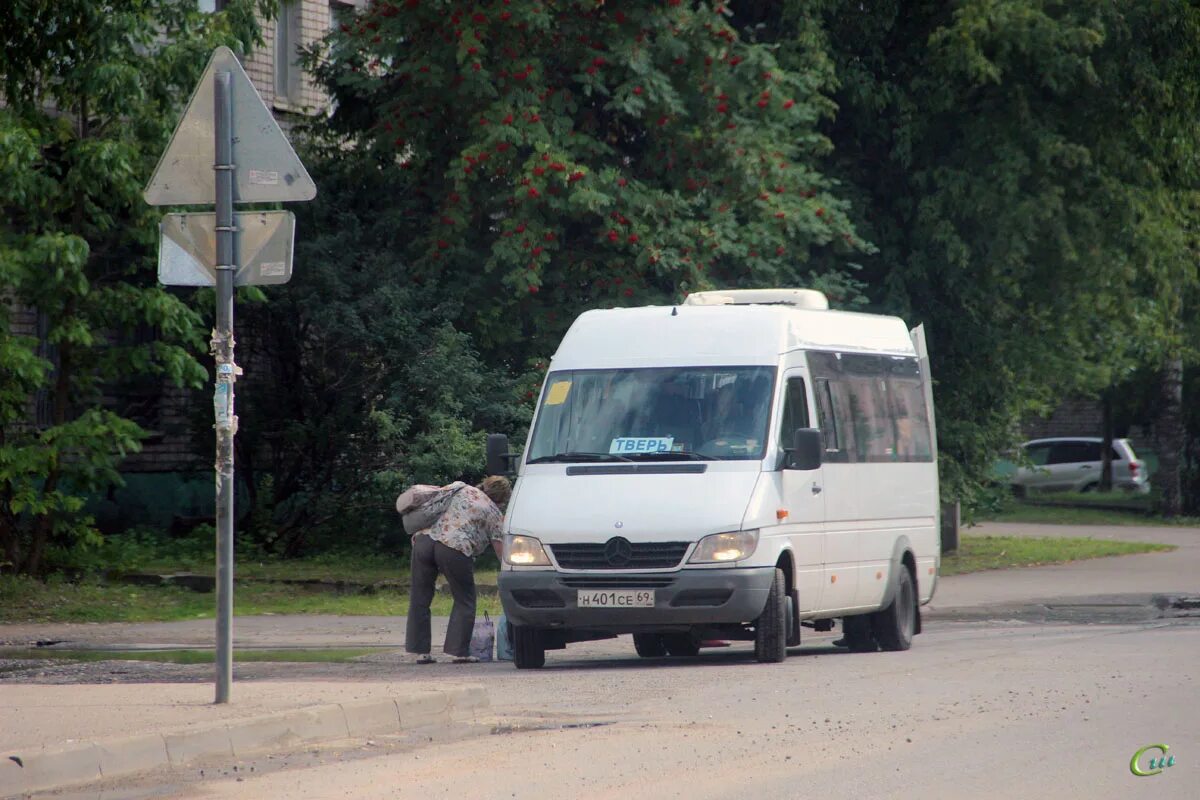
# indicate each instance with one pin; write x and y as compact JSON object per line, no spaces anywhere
{"x":673,"y":455}
{"x":559,"y":458}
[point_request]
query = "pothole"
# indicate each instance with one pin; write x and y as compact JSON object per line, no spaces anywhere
{"x":1096,"y":609}
{"x":508,"y":729}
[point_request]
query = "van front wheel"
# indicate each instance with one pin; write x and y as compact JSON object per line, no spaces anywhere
{"x":528,"y":651}
{"x":770,"y":629}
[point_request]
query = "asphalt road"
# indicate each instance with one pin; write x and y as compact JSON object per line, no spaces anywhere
{"x":1043,"y":691}
{"x":976,"y":709}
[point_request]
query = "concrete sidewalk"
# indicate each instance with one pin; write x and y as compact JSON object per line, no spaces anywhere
{"x":1176,"y":572}
{"x":56,"y":736}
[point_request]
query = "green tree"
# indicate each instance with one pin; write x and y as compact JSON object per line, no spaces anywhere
{"x":490,"y":171}
{"x":356,"y":381}
{"x":1005,"y":160}
{"x":555,"y":156}
{"x":90,"y":93}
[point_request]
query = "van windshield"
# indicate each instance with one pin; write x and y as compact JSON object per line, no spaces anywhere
{"x":654,"y":414}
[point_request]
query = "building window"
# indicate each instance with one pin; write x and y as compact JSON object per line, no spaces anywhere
{"x":287,"y":43}
{"x":212,"y":6}
{"x":341,"y":8}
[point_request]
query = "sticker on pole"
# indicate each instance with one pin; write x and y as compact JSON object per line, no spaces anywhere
{"x":187,"y":248}
{"x":267,"y":169}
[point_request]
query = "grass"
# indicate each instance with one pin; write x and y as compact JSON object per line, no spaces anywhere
{"x":1073,"y":515}
{"x":979,"y":553}
{"x":56,"y":600}
{"x":325,"y":656}
{"x":1127,"y":501}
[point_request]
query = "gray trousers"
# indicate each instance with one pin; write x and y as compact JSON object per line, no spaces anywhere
{"x":428,"y":559}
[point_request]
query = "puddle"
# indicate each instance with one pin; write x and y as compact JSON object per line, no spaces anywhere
{"x":186,"y":656}
{"x":505,"y":730}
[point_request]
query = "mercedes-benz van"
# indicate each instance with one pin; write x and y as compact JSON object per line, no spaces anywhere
{"x":733,"y":467}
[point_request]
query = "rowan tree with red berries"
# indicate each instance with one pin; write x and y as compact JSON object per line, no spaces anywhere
{"x":555,"y":156}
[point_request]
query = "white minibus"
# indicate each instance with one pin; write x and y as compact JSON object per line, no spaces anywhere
{"x":733,"y":467}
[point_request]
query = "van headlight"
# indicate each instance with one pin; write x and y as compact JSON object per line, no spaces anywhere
{"x":525,"y":551}
{"x":722,"y":547}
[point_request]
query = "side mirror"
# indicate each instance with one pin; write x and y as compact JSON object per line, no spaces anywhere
{"x":807,"y":448}
{"x":498,"y":462}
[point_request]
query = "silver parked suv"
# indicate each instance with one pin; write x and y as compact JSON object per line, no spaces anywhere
{"x":1073,"y":464}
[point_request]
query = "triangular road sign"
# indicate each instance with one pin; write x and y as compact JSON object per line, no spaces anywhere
{"x":267,"y":169}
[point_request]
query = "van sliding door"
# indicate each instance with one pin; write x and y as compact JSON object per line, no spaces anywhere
{"x":878,"y":470}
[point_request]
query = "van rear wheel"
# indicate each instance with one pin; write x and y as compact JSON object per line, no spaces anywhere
{"x":681,"y":644}
{"x":770,"y":629}
{"x":649,"y":645}
{"x":527,"y":648}
{"x":895,"y":625}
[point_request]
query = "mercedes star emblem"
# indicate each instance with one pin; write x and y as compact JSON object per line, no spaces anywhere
{"x":618,"y":551}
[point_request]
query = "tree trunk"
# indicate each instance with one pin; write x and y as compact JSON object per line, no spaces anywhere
{"x":10,"y":535}
{"x":1106,"y":452}
{"x":43,"y":526}
{"x":10,"y":540}
{"x":1170,"y":435}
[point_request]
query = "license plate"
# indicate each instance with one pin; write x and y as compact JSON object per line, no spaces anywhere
{"x":615,"y":598}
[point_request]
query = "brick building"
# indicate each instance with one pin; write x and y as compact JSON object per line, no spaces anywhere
{"x":283,"y":85}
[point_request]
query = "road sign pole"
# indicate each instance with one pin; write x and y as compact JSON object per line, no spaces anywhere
{"x":222,"y":350}
{"x":270,"y":172}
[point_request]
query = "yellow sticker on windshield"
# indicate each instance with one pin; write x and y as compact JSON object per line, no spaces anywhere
{"x":558,"y":393}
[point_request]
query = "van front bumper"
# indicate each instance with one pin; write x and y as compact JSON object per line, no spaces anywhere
{"x":547,"y":599}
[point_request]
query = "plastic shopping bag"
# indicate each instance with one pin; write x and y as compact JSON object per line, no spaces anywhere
{"x":503,"y":640}
{"x":483,"y":638}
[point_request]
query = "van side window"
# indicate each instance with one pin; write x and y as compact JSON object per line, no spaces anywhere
{"x":795,"y":410}
{"x":873,"y":406}
{"x":910,"y":415}
{"x":828,"y":423}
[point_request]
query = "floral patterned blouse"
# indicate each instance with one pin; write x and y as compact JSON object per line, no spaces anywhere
{"x":469,"y":524}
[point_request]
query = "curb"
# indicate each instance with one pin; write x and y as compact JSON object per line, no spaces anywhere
{"x":55,"y":767}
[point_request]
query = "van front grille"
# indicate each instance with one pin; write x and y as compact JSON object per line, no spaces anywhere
{"x":616,"y":581}
{"x":618,"y":553}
